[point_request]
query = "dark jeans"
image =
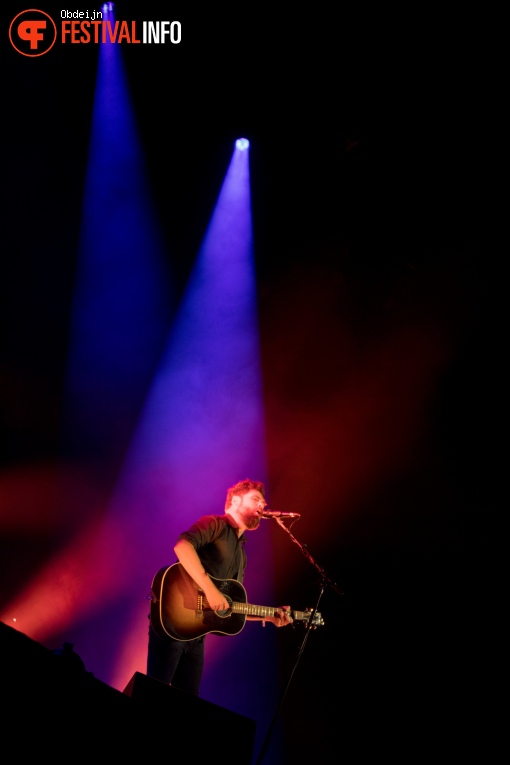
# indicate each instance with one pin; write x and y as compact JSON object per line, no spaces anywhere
{"x":177,"y":662}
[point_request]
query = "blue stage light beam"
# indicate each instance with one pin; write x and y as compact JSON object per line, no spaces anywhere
{"x":202,"y":430}
{"x":123,"y":293}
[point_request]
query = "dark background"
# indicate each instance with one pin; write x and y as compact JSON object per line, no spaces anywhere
{"x":370,"y":159}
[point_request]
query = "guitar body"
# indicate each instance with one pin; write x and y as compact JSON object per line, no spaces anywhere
{"x":179,"y":610}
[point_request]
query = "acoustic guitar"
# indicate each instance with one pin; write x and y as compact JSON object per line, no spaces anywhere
{"x":179,"y":609}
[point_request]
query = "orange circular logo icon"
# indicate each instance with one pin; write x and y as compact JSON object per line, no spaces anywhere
{"x":32,"y":33}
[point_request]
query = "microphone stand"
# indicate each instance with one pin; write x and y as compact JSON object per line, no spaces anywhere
{"x":325,"y":582}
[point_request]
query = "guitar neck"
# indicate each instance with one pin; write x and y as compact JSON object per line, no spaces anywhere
{"x":264,"y":611}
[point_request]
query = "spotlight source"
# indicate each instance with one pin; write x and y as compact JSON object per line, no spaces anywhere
{"x":242,"y":144}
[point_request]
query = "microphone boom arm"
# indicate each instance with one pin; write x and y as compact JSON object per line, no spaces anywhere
{"x":306,"y":553}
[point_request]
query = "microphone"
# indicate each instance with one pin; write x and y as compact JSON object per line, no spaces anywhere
{"x":277,"y":514}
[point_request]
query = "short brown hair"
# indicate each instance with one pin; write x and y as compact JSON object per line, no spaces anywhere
{"x":243,"y":487}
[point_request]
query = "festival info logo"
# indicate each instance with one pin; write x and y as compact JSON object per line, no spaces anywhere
{"x":32,"y":33}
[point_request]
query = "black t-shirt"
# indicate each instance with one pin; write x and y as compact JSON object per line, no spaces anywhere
{"x":221,"y":551}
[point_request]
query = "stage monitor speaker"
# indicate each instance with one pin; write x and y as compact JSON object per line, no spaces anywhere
{"x":192,"y":721}
{"x":52,"y":707}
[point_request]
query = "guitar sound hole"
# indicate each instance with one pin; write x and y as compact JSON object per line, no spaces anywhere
{"x":224,"y":611}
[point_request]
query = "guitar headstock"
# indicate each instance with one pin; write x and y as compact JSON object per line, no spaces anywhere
{"x":317,"y":620}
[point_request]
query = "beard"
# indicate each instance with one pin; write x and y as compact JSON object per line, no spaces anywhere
{"x":251,"y":518}
{"x":250,"y":521}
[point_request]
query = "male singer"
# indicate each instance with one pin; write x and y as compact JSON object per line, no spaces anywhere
{"x":213,"y":546}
